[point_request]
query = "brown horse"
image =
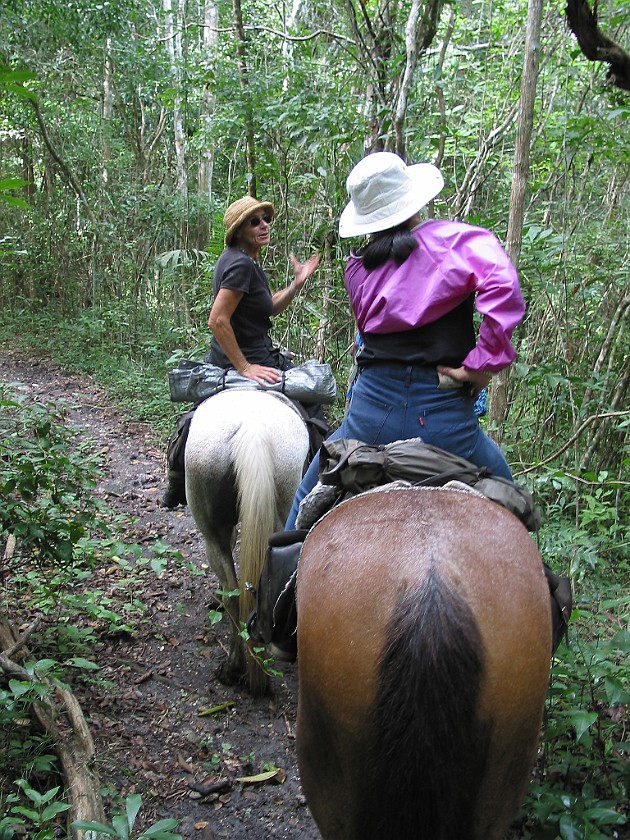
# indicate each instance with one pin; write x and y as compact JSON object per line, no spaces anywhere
{"x":424,"y":644}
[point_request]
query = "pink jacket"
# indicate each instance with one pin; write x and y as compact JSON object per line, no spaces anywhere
{"x":452,"y":261}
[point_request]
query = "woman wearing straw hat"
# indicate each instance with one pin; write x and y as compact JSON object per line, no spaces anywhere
{"x":240,"y":318}
{"x":413,"y":287}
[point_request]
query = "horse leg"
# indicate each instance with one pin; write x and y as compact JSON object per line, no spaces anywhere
{"x":244,"y":453}
{"x":212,"y":501}
{"x":219,"y":556}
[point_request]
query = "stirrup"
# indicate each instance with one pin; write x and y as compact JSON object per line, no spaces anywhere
{"x":561,"y":606}
{"x":274,"y":618}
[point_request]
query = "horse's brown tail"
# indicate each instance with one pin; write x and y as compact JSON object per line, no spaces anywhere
{"x":429,"y":748}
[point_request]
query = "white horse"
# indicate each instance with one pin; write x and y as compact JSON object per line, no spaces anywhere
{"x":244,"y":459}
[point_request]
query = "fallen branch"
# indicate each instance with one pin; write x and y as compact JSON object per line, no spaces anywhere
{"x":61,"y":717}
{"x":21,"y":642}
{"x":9,"y":549}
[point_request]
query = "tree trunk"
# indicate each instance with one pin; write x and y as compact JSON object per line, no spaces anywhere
{"x":241,"y":61}
{"x":440,"y":94}
{"x":287,"y":46}
{"x":28,"y":168}
{"x":411,"y":45}
{"x":108,"y":109}
{"x":206,"y":163}
{"x":419,"y":34}
{"x":63,"y":166}
{"x":174,"y":45}
{"x":595,"y":45}
{"x":324,"y":323}
{"x":377,"y":42}
{"x":610,"y":355}
{"x":499,"y":395}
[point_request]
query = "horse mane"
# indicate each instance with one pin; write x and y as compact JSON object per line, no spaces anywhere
{"x":426,"y":719}
{"x":252,"y":454}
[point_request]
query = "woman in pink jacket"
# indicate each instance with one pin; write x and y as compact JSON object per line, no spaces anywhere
{"x":413,"y":287}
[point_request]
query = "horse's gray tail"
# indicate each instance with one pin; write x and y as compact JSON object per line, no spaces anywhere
{"x":252,"y":456}
{"x":430,"y":749}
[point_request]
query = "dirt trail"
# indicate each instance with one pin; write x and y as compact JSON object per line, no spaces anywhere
{"x":150,"y":736}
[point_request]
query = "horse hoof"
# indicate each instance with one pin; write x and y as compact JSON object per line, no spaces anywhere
{"x":228,"y":675}
{"x":284,"y":651}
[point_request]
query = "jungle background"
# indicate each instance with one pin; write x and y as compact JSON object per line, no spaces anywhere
{"x":126,"y":129}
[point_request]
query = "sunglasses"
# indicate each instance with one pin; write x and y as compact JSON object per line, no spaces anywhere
{"x":256,"y":220}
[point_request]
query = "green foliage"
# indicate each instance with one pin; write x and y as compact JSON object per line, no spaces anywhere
{"x":122,"y":825}
{"x":584,"y":782}
{"x":46,"y":482}
{"x":23,"y":753}
{"x":39,"y":816}
{"x":586,"y":531}
{"x":120,"y":292}
{"x":129,"y":361}
{"x":61,"y":533}
{"x":7,"y":186}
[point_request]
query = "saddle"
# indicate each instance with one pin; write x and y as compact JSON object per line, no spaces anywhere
{"x":311,"y":415}
{"x":349,"y":467}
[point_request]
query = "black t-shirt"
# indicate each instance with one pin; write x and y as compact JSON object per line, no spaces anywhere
{"x":446,"y":341}
{"x":251,"y":320}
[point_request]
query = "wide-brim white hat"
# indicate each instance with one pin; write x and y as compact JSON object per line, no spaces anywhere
{"x":385,"y":192}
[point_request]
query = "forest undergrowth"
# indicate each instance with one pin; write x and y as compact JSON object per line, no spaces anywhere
{"x":581,"y":783}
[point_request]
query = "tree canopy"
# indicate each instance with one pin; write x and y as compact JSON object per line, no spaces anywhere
{"x":126,"y":128}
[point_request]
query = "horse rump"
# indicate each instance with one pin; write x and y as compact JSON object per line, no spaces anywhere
{"x":419,"y":703}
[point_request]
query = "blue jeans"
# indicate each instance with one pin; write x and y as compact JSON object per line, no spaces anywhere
{"x":396,"y":402}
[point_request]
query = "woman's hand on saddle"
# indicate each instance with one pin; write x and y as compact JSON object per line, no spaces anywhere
{"x":261,"y":374}
{"x":303,"y":270}
{"x":477,"y":379}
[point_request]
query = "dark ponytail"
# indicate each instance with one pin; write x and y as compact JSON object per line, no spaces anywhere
{"x":396,"y":244}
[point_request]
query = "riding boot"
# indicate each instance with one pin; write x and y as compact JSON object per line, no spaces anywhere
{"x":561,"y":605}
{"x":284,"y":651}
{"x":175,"y":493}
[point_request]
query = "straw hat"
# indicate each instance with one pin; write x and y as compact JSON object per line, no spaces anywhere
{"x":385,"y":192}
{"x":239,"y":211}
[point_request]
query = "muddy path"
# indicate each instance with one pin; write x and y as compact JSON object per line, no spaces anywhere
{"x":146,"y":709}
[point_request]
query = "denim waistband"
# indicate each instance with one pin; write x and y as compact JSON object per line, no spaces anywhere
{"x":402,"y":372}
